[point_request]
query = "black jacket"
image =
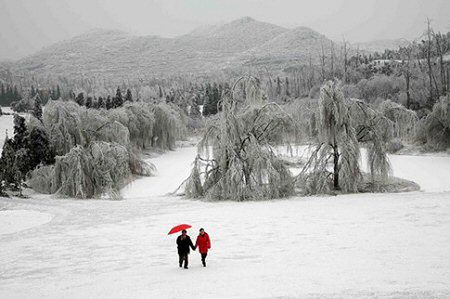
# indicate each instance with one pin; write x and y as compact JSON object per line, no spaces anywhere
{"x":184,"y":244}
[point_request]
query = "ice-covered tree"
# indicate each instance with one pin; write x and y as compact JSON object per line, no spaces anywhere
{"x":129,"y":96}
{"x":236,"y":159}
{"x":404,"y":120}
{"x":85,"y":172}
{"x":434,"y":129}
{"x":343,"y":124}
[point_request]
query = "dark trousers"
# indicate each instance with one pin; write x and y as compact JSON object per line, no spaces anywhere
{"x":183,"y":258}
{"x":204,"y":259}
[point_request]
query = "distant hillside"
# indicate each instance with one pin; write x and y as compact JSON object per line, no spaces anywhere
{"x":115,"y":54}
{"x":295,"y":45}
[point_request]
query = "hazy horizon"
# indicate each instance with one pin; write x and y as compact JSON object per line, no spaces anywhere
{"x":26,"y":26}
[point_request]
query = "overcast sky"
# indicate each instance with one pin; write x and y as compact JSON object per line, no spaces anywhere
{"x":28,"y":25}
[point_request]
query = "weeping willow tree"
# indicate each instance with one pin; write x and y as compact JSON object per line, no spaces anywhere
{"x":404,"y":120}
{"x":98,"y":150}
{"x":237,"y":159}
{"x":434,"y":130}
{"x":85,"y":172}
{"x":343,"y":124}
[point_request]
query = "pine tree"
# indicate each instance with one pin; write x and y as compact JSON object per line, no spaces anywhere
{"x":118,"y":100}
{"x":101,"y":103}
{"x":129,"y":96}
{"x":37,"y":109}
{"x":88,"y":102}
{"x":7,"y":161}
{"x":39,"y":148}
{"x":109,"y":103}
{"x":20,"y":132}
{"x":80,"y":99}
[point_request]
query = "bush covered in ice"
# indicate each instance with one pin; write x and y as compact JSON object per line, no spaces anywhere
{"x":434,"y":129}
{"x":98,"y":150}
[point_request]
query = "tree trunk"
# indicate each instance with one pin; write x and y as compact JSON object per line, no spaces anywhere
{"x":408,"y":93}
{"x":336,"y":167}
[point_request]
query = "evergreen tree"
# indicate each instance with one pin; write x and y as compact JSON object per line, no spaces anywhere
{"x":101,"y":103}
{"x":109,"y":103}
{"x":39,"y":148}
{"x":88,"y":102}
{"x":20,"y":132}
{"x":160,"y":92}
{"x":129,"y":96}
{"x":118,"y":100}
{"x":7,"y":162}
{"x":37,"y":109}
{"x":80,"y":99}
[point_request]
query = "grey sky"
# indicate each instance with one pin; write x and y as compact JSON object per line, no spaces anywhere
{"x":28,"y":25}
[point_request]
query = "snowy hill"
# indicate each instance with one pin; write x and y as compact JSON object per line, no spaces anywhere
{"x":293,"y":45}
{"x":116,"y":54}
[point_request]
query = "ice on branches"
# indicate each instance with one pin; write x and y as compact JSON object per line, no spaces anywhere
{"x":236,"y":158}
{"x":343,"y":125}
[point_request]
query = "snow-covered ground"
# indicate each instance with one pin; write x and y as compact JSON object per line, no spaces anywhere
{"x":6,"y":126}
{"x":361,"y":245}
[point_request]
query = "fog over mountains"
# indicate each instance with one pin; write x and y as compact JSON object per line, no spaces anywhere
{"x":244,"y":42}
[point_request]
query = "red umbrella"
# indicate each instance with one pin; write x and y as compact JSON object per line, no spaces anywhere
{"x":179,"y":228}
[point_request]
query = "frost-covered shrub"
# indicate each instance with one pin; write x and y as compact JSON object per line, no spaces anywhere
{"x":404,"y":121}
{"x":85,"y":172}
{"x":394,"y":145}
{"x":63,"y":123}
{"x":139,"y":119}
{"x":379,"y":86}
{"x":169,"y":126}
{"x":434,"y":129}
{"x":99,"y":149}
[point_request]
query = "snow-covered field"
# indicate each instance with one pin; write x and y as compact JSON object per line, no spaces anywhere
{"x":361,"y":245}
{"x":6,"y":126}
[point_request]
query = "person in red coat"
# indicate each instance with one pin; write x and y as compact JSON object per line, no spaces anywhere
{"x":203,"y":243}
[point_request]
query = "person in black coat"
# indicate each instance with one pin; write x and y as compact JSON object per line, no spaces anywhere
{"x":184,"y":244}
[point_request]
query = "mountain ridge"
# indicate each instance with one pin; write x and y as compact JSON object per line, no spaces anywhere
{"x":243,"y":42}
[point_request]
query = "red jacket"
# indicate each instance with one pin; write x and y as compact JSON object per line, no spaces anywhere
{"x":203,"y":243}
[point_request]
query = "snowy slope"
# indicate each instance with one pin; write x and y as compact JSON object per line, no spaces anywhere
{"x":350,"y":246}
{"x":115,"y":54}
